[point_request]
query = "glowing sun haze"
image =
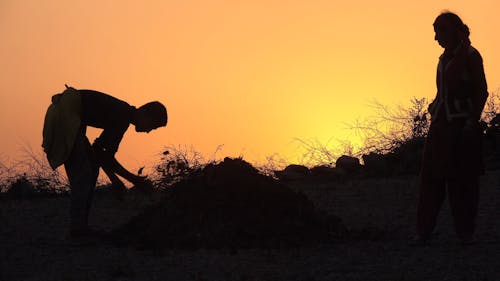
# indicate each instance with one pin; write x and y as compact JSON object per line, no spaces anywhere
{"x":249,"y":75}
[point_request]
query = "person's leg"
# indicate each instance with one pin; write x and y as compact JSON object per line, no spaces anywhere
{"x":94,"y":170}
{"x":431,"y":197}
{"x":81,"y":172}
{"x":432,"y":188}
{"x":463,"y":194}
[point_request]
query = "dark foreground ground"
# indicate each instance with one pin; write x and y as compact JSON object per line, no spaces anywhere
{"x":380,"y":213}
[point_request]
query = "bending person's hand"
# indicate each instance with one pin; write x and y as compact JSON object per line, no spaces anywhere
{"x":142,"y":183}
{"x":119,"y":189}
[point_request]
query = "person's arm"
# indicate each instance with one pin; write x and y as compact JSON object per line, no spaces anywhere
{"x":119,"y":188}
{"x":112,"y":167}
{"x":480,"y":87}
{"x":432,"y":106}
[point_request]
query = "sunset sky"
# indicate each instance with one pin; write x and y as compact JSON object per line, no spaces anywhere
{"x":249,"y":75}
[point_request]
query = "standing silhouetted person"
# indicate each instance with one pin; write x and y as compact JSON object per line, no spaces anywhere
{"x":452,"y":161}
{"x":65,"y":142}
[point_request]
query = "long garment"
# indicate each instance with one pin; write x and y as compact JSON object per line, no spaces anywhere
{"x":451,"y":164}
{"x":452,"y":161}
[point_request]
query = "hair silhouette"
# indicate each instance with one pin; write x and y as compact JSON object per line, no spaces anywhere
{"x":453,"y":20}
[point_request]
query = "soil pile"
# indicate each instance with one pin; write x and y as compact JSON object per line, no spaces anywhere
{"x":230,"y":205}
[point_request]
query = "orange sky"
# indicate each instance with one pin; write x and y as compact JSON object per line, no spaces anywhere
{"x":249,"y":75}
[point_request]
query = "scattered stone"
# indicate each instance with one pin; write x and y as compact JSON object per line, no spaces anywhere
{"x":325,"y":172}
{"x":293,"y":172}
{"x":348,"y":163}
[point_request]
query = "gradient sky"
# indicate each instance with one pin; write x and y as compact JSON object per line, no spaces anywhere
{"x":249,"y":75}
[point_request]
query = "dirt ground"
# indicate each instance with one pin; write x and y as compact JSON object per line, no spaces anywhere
{"x":380,"y":213}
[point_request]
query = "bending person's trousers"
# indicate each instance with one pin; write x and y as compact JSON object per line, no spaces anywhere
{"x":82,"y":171}
{"x":463,"y":196}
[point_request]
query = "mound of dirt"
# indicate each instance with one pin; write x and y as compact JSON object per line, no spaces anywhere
{"x":230,"y":205}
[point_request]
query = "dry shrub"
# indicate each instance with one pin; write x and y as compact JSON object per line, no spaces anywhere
{"x":31,"y":172}
{"x":391,"y":127}
{"x":385,"y":131}
{"x":178,"y":162}
{"x":492,"y":107}
{"x":316,"y":152}
{"x":272,"y":164}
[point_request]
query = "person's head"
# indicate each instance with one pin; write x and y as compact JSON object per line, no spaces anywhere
{"x":150,"y":116}
{"x":450,"y":30}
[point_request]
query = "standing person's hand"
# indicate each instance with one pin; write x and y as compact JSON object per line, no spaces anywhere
{"x":470,"y":128}
{"x":470,"y":135}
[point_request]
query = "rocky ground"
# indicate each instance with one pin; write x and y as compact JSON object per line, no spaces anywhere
{"x":379,"y":214}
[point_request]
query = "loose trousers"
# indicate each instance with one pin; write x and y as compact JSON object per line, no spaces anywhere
{"x":463,"y":196}
{"x":82,"y":171}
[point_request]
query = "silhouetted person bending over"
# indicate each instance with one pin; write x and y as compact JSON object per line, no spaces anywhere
{"x":65,"y":142}
{"x":452,"y":160}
